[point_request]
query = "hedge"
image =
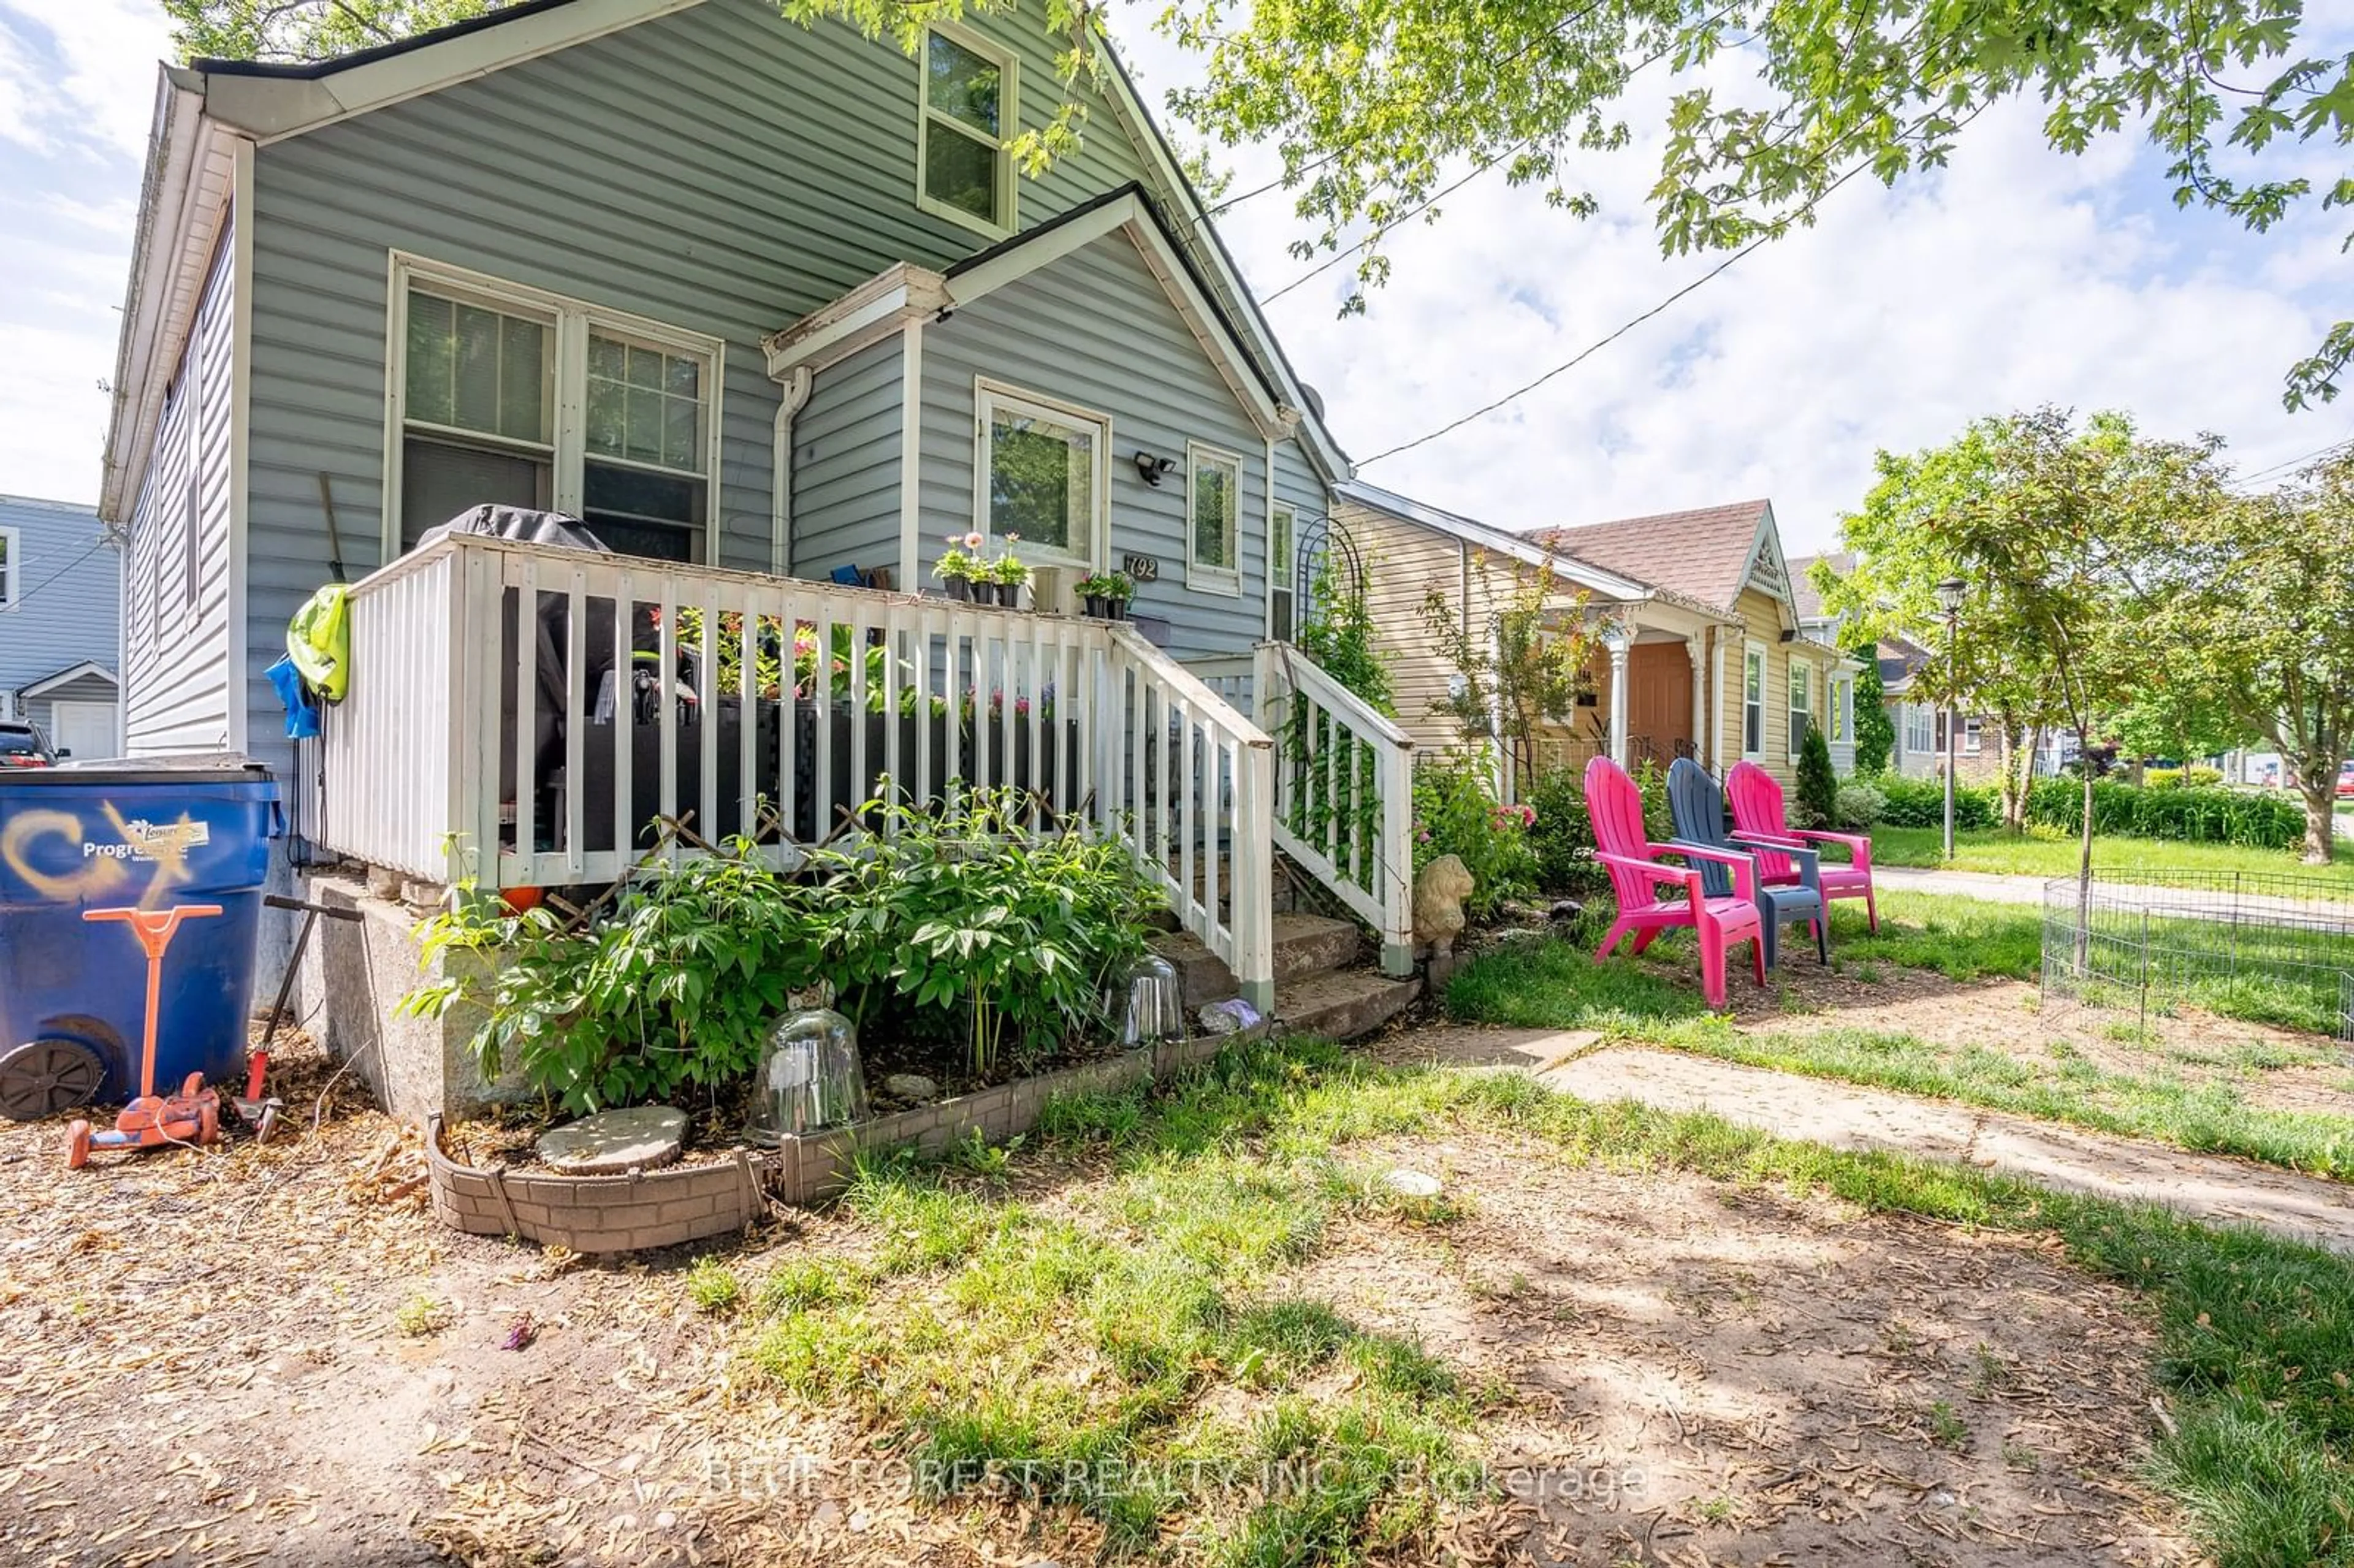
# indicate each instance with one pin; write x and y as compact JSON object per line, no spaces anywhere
{"x":1921,"y":803}
{"x":2189,"y":814}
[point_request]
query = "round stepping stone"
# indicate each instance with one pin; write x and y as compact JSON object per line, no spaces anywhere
{"x":1412,"y":1183}
{"x":607,"y":1143}
{"x":911,"y":1087}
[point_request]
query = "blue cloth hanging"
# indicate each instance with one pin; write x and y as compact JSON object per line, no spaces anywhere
{"x":301,"y":707}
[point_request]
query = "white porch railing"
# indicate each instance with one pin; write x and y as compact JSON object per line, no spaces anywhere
{"x":1344,"y":793}
{"x":524,"y":714}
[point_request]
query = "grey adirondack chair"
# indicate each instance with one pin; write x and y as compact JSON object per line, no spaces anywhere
{"x":1698,"y":807}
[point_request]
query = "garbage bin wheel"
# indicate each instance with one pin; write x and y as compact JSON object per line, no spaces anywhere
{"x":42,"y":1077}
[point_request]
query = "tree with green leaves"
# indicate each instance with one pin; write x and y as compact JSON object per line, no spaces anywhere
{"x":2256,"y":604}
{"x":2053,"y":529}
{"x":1818,"y":792}
{"x":1875,"y":732}
{"x":1379,"y":110}
{"x":1519,"y":664}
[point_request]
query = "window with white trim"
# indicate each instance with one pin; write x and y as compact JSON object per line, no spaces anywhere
{"x":1213,"y":492}
{"x":1753,"y":700}
{"x":964,"y":167}
{"x":1802,"y":703}
{"x":510,"y":396}
{"x":1920,"y":728}
{"x":1041,"y":475}
{"x":12,"y":567}
{"x":1842,"y":709}
{"x":1972,"y":736}
{"x":1282,"y":612}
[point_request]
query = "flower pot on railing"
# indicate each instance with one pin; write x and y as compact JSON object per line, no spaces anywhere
{"x":1105,"y":596}
{"x":960,"y":590}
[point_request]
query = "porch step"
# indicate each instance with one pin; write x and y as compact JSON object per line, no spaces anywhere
{"x":1305,"y":945}
{"x":1342,"y":1005}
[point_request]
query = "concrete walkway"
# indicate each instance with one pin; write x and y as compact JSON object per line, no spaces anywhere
{"x":1991,"y":886}
{"x":1844,"y":1115}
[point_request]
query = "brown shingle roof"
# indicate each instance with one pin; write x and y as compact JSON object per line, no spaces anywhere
{"x":1700,"y":554}
{"x":1803,"y":596}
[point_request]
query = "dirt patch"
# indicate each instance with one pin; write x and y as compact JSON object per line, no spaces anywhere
{"x":1706,"y":1375}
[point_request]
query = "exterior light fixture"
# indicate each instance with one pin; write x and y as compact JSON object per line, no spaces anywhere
{"x":1153,"y":470}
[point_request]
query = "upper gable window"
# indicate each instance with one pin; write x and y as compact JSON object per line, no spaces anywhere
{"x":964,"y":170}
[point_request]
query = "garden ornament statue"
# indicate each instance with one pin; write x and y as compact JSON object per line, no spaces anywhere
{"x":1439,"y":890}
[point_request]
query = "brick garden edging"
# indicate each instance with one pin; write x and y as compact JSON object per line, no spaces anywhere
{"x":595,"y":1213}
{"x":688,"y":1202}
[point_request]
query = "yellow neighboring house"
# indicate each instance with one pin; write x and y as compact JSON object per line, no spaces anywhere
{"x":1702,"y":652}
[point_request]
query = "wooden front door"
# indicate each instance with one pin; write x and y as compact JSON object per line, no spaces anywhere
{"x":1659,"y":699}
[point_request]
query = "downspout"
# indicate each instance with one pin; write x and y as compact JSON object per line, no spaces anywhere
{"x":796,"y":388}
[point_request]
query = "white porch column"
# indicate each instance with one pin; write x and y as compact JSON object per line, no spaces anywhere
{"x":1691,"y":647}
{"x":1716,"y":697}
{"x":1618,"y":640}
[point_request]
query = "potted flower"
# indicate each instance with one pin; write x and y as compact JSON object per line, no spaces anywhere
{"x":1106,"y":595}
{"x":960,"y":566}
{"x":1009,"y":573}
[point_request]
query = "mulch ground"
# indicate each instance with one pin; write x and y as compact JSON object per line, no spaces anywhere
{"x":274,"y":1354}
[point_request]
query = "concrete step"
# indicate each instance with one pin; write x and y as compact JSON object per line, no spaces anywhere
{"x":1305,"y":945}
{"x":1344,"y":1005}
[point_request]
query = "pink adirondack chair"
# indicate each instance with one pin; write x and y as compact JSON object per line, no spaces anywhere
{"x":1758,"y":818}
{"x":1637,"y":874}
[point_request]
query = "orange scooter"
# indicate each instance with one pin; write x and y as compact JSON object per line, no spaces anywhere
{"x":192,"y":1116}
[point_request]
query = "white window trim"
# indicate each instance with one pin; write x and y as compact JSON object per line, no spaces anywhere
{"x":1282,"y":579}
{"x":1752,"y":648}
{"x":1009,"y":123}
{"x":1800,"y":682}
{"x":573,"y":321}
{"x":988,"y":395}
{"x":1973,"y":737}
{"x":1200,"y":575}
{"x":1842,"y":710}
{"x":12,"y":574}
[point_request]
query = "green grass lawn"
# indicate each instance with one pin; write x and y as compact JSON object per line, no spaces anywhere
{"x":2047,"y":851}
{"x":1161,"y":1256}
{"x":1657,"y":1001}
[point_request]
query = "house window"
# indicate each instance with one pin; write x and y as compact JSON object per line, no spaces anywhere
{"x":1842,"y":714}
{"x":964,"y":171}
{"x":1802,"y":705}
{"x":1044,"y":477}
{"x":12,"y":567}
{"x":1753,"y":701}
{"x":1971,"y":737}
{"x":1280,"y":569}
{"x":512,"y":397}
{"x":1919,"y":729}
{"x":1213,"y":487}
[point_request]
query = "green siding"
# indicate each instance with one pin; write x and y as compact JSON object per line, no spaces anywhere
{"x":846,"y":451}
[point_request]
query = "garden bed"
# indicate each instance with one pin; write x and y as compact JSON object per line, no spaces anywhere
{"x":714,"y":1192}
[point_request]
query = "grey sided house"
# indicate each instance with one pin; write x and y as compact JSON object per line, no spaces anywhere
{"x":770,"y":308}
{"x":60,"y":624}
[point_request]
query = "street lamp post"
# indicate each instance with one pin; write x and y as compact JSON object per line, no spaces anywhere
{"x":1950,"y":599}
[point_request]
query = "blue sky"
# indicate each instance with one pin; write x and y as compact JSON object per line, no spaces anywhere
{"x":2016,"y":278}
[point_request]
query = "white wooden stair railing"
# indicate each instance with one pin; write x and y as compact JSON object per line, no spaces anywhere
{"x":520,"y":713}
{"x":1344,"y":793}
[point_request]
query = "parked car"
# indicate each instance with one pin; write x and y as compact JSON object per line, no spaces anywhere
{"x":22,"y":746}
{"x":2345,"y":780}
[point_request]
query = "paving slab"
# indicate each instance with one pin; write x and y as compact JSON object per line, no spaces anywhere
{"x":1844,"y":1115}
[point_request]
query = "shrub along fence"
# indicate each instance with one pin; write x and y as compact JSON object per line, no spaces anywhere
{"x":2188,"y":815}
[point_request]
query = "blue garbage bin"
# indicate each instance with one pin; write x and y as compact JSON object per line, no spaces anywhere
{"x":143,"y":834}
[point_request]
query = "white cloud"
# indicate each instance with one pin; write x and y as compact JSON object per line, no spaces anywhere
{"x":77,"y":94}
{"x":2017,"y":277}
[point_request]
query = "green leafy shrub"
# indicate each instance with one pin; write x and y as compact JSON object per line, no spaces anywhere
{"x":1818,"y":792}
{"x":1563,"y":836}
{"x":2169,"y":777}
{"x":1456,"y":812}
{"x":2185,"y":814}
{"x":1861,"y":806}
{"x":673,"y":991}
{"x":976,"y":917}
{"x":1921,"y":803}
{"x":975,"y":926}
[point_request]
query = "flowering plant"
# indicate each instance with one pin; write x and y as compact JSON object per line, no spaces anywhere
{"x":1117,"y":586}
{"x":961,"y":560}
{"x":1008,"y":568}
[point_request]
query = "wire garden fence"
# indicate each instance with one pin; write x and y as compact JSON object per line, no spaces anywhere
{"x":2274,"y":947}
